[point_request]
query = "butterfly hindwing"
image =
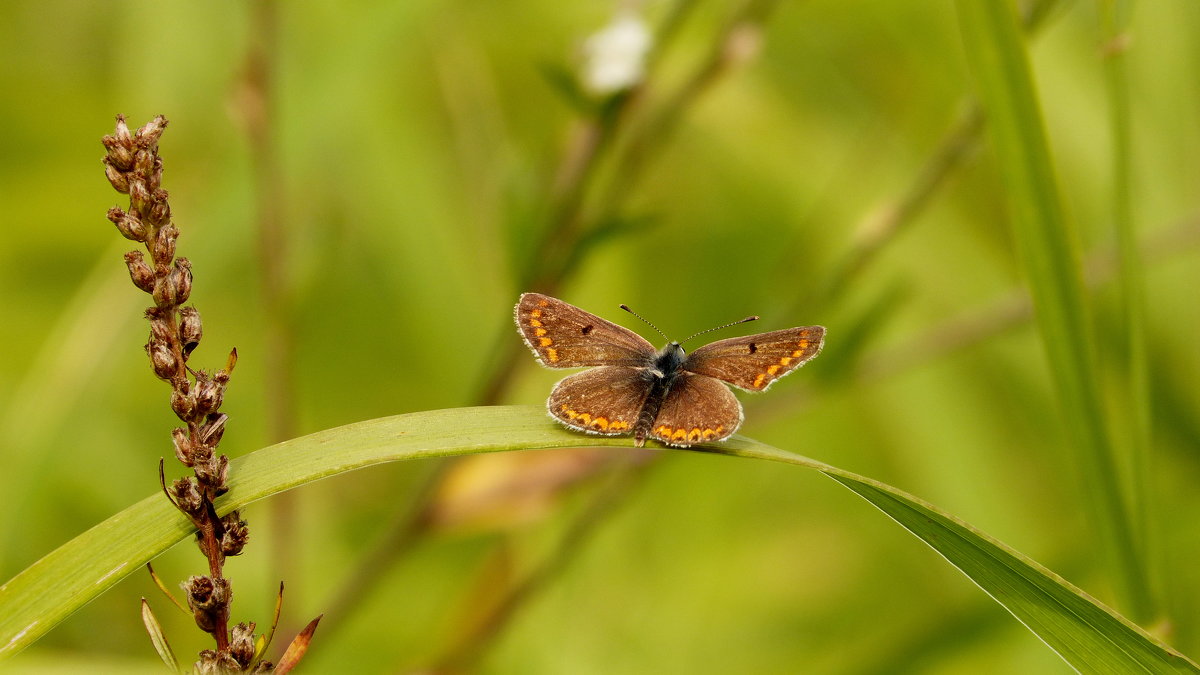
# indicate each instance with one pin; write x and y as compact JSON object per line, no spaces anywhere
{"x":753,"y":362}
{"x":697,"y":409}
{"x":604,"y":400}
{"x":564,"y":336}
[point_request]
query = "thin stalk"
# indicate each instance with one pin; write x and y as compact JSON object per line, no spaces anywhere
{"x":1050,"y":256}
{"x":881,"y":226}
{"x":1130,"y":271}
{"x":260,"y":115}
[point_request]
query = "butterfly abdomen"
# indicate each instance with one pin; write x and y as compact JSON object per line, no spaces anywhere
{"x":650,"y":409}
{"x":663,"y":374}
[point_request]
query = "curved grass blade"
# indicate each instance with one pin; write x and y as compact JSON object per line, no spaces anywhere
{"x":1086,"y":634}
{"x":1089,"y":636}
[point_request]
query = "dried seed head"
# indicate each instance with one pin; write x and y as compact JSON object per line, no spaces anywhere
{"x":163,"y":250}
{"x":127,"y":224}
{"x":201,"y":454}
{"x":143,"y":162}
{"x":213,"y":429}
{"x":186,"y":495}
{"x":209,"y":393}
{"x":122,"y":134}
{"x":160,"y":330}
{"x":139,"y":195}
{"x":120,"y":155}
{"x":148,"y":135}
{"x":139,"y":271}
{"x":241,"y":643}
{"x":164,"y":361}
{"x":181,"y":279}
{"x":190,"y":329}
{"x":117,"y":178}
{"x":212,"y":474}
{"x":184,"y":404}
{"x":213,"y":663}
{"x":236,"y":534}
{"x":183,"y":446}
{"x":165,"y":291}
{"x":209,"y":601}
{"x":204,"y":592}
{"x":160,"y":208}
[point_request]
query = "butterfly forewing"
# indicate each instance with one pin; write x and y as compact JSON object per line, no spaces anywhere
{"x":755,"y":361}
{"x":564,"y":336}
{"x":698,"y":409}
{"x":603,"y":400}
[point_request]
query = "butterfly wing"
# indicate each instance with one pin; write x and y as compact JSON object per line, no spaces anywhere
{"x":697,"y":409}
{"x":564,"y":336}
{"x":604,"y":400}
{"x":753,"y":362}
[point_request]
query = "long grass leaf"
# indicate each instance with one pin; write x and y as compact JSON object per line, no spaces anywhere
{"x":1088,"y":635}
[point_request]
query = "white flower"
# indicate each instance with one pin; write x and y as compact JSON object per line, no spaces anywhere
{"x":615,"y":57}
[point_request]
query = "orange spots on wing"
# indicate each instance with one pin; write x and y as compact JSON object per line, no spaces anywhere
{"x":545,"y":341}
{"x":539,"y":331}
{"x":598,"y":423}
{"x":758,"y":380}
{"x":542,"y":303}
{"x":551,"y":353}
{"x":685,"y":435}
{"x":535,"y":323}
{"x":771,"y":370}
{"x":785,"y":360}
{"x":801,"y":347}
{"x":536,"y":314}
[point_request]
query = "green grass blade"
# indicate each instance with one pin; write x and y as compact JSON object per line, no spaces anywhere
{"x":1051,"y":259}
{"x":1085,"y":633}
{"x":1130,"y":271}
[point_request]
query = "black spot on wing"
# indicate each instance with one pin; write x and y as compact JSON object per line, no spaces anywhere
{"x":586,"y":329}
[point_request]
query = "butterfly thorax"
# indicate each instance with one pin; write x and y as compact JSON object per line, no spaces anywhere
{"x":668,"y":361}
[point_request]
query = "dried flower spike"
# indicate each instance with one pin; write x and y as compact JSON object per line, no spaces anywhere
{"x":133,"y":166}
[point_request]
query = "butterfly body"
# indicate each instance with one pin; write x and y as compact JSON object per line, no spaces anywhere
{"x":667,"y":366}
{"x":666,"y":394}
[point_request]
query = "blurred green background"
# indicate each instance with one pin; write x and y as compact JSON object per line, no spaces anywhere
{"x":418,"y":146}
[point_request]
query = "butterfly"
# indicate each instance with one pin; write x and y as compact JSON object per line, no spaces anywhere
{"x":633,"y":388}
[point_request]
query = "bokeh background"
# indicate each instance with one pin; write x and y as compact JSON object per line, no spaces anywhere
{"x":422,"y":163}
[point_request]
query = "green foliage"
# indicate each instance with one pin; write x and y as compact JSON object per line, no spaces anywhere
{"x":842,"y":175}
{"x":1052,"y":261}
{"x":1087,"y":635}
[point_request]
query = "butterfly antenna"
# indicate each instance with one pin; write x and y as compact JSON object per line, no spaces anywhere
{"x":745,"y":320}
{"x":626,"y":308}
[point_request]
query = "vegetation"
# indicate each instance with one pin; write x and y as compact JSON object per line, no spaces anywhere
{"x":991,"y":209}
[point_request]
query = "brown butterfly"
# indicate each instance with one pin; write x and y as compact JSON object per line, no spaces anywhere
{"x":633,"y":388}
